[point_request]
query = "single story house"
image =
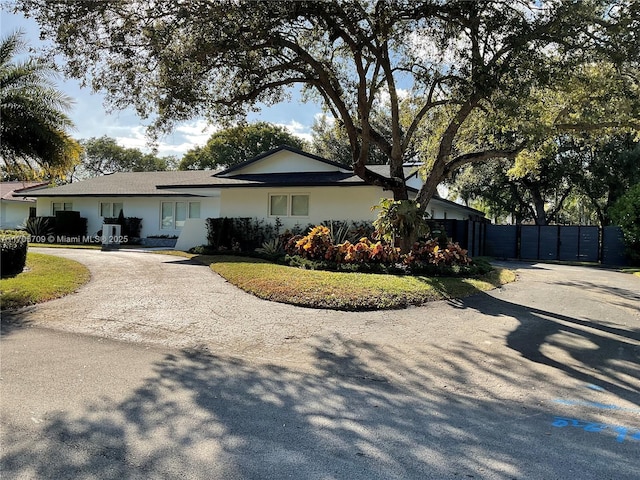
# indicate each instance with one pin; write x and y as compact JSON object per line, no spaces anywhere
{"x":285,"y":183}
{"x":15,"y":210}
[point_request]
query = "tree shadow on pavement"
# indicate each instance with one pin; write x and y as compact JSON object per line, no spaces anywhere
{"x":360,"y":412}
{"x":588,"y":350}
{"x":12,"y":320}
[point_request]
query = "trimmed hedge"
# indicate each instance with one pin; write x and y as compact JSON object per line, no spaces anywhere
{"x":70,"y":223}
{"x":239,"y":234}
{"x":14,"y":251}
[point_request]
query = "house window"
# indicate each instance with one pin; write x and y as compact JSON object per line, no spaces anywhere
{"x":278,"y":205}
{"x":295,"y":205}
{"x":167,"y":215}
{"x":194,"y":209}
{"x":60,"y":206}
{"x":299,"y":205}
{"x":174,"y":214}
{"x":181,"y":214}
{"x":108,"y":209}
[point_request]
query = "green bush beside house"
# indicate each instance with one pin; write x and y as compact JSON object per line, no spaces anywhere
{"x":14,"y":251}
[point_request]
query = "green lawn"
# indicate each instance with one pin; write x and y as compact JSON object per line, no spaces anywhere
{"x":345,"y":291}
{"x":45,"y":278}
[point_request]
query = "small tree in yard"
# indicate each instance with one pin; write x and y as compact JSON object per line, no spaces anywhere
{"x":400,"y":222}
{"x":626,"y":213}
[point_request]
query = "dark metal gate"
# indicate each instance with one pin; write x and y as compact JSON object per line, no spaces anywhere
{"x":531,"y":242}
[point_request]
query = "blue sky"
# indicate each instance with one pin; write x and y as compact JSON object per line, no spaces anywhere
{"x":92,"y":120}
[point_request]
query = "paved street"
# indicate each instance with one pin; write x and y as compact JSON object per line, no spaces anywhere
{"x":160,"y":369}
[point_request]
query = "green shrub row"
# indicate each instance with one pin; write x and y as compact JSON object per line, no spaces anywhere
{"x":247,"y":234}
{"x":65,"y":223}
{"x":14,"y":251}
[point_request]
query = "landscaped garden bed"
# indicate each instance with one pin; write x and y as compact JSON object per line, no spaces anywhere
{"x":343,"y":290}
{"x":328,"y":266}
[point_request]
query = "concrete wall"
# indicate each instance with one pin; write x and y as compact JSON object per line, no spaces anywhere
{"x":147,"y":208}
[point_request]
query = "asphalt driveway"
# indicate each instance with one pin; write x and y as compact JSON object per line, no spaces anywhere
{"x":539,"y":379}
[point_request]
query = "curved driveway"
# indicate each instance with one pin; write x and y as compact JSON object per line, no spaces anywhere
{"x":175,"y":302}
{"x":500,"y":385}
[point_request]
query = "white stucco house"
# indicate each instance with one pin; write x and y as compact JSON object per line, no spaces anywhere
{"x":285,"y":183}
{"x":15,"y":210}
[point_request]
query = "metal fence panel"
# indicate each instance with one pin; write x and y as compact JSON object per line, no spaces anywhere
{"x":476,"y":237}
{"x":589,"y":249}
{"x":613,"y":246}
{"x":529,"y":242}
{"x":569,"y":243}
{"x":548,"y":247}
{"x":501,"y":241}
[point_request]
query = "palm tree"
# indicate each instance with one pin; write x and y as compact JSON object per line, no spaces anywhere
{"x":33,"y":121}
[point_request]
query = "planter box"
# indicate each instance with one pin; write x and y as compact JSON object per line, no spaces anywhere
{"x":159,"y":242}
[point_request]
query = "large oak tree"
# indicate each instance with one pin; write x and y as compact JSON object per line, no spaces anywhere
{"x":433,"y":65}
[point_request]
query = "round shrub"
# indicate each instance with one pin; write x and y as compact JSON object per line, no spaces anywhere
{"x":14,"y":252}
{"x":626,"y":213}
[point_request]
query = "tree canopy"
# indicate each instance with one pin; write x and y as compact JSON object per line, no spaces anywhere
{"x":102,"y":156}
{"x":329,"y":140}
{"x":462,"y":76}
{"x":238,"y":144}
{"x":33,"y":132}
{"x":592,"y":171}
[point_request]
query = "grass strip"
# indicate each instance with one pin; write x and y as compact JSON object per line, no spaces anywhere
{"x":45,"y":278}
{"x":345,"y":291}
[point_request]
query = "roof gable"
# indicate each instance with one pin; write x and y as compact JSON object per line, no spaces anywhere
{"x":284,"y":159}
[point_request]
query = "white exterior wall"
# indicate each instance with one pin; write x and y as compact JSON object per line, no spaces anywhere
{"x":440,"y":210}
{"x":325,"y":203}
{"x":14,"y":214}
{"x":147,"y":208}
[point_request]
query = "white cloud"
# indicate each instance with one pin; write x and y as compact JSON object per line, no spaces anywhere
{"x":184,"y":137}
{"x":197,"y":133}
{"x":136,"y":138}
{"x":329,"y":119}
{"x":297,"y":129}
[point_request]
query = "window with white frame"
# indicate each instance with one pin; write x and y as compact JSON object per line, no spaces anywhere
{"x":60,"y":206}
{"x":289,"y":205}
{"x":110,"y":209}
{"x":174,"y":214}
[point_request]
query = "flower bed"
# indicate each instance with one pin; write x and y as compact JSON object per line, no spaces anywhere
{"x":317,"y":251}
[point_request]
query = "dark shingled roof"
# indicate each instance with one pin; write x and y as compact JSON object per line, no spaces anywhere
{"x":7,"y":190}
{"x":300,"y":179}
{"x":129,"y":184}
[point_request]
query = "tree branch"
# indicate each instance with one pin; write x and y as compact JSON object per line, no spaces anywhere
{"x":476,"y":157}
